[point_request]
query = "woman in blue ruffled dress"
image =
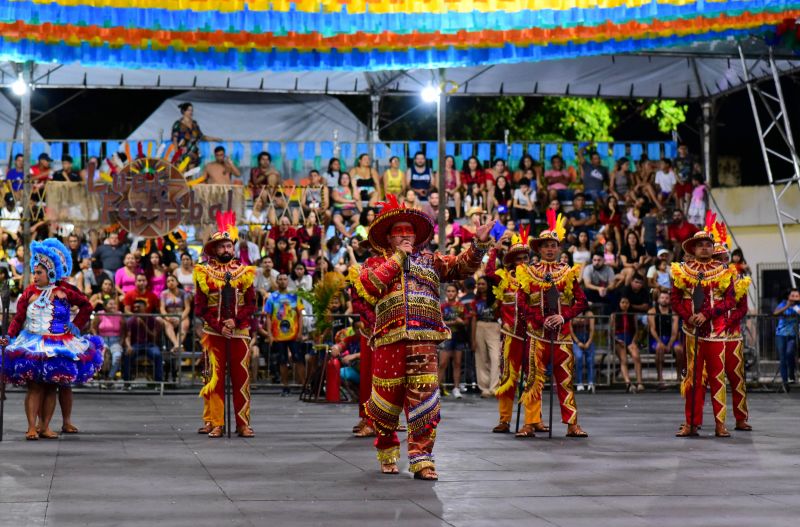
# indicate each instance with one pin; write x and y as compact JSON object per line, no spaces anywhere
{"x":44,"y":348}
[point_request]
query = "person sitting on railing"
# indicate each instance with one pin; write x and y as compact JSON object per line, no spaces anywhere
{"x":394,"y":181}
{"x":66,"y":174}
{"x":111,"y":253}
{"x":419,"y":177}
{"x":346,"y":209}
{"x":10,"y":222}
{"x":593,"y":174}
{"x":221,"y":170}
{"x":274,"y":198}
{"x":16,"y":177}
{"x":142,"y":335}
{"x":366,"y":181}
{"x":316,"y":198}
{"x":258,"y":174}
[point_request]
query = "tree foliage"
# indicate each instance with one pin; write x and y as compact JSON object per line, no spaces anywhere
{"x":560,"y":118}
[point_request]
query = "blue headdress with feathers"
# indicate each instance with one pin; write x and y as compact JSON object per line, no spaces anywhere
{"x":47,"y":257}
{"x":64,"y":255}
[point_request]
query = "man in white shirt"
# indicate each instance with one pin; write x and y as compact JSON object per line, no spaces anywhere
{"x":666,"y":180}
{"x":10,"y":219}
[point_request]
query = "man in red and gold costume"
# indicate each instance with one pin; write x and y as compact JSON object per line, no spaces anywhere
{"x":554,"y":298}
{"x":226,"y":316}
{"x":702,"y":295}
{"x":512,"y":315}
{"x":734,"y":343}
{"x":403,"y":285}
{"x":363,"y":332}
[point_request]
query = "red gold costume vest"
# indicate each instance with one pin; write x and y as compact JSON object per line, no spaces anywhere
{"x":210,"y":279}
{"x":407,"y":302}
{"x":535,"y":280}
{"x":717,"y":282}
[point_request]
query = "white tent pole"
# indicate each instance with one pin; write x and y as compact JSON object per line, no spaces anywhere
{"x":708,"y":110}
{"x":441,"y":137}
{"x":374,"y":127}
{"x":25,"y":118}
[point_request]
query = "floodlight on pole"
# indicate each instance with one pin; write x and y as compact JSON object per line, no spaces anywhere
{"x":19,"y":86}
{"x":430,"y":93}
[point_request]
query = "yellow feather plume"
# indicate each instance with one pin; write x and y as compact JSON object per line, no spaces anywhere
{"x":561,"y":230}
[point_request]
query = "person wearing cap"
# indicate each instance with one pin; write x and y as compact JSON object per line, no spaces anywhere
{"x":66,"y":173}
{"x":549,"y":328}
{"x":225,"y":327}
{"x":512,"y":316}
{"x":734,"y":343}
{"x":705,"y":329}
{"x":403,"y":285}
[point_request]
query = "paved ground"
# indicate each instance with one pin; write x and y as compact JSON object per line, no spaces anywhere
{"x":139,"y":462}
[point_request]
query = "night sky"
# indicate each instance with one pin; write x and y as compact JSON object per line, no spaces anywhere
{"x":113,"y":114}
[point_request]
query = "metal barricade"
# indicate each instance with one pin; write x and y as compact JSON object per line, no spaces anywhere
{"x":144,"y":350}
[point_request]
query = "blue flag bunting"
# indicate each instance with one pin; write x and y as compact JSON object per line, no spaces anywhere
{"x":326,"y":150}
{"x":309,"y":150}
{"x":484,"y":152}
{"x":636,"y":151}
{"x":654,"y":151}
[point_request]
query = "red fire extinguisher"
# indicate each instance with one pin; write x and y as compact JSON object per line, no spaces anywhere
{"x":332,"y":380}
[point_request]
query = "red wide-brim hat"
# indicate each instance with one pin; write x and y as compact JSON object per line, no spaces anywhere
{"x":511,"y":255}
{"x":393,"y":213}
{"x":544,"y":236}
{"x":688,"y":245}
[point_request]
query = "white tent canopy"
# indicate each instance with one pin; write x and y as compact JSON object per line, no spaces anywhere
{"x":8,"y":121}
{"x":243,"y":117}
{"x":704,"y":70}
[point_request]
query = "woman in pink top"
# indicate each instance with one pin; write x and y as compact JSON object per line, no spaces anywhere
{"x":557,"y":179}
{"x":108,"y":325}
{"x":125,"y":277}
{"x":156,"y":273}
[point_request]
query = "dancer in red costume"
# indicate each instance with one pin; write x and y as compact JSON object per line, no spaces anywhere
{"x":403,"y":285}
{"x":734,"y":356}
{"x":702,"y":295}
{"x":363,"y":332}
{"x":544,"y":284}
{"x":225,"y":324}
{"x":515,"y":342}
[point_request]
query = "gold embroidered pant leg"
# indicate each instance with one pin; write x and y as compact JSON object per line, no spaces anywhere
{"x":214,"y":391}
{"x":513,"y":355}
{"x":421,"y":403}
{"x":386,"y":400}
{"x":563,"y":366}
{"x":710,"y":367}
{"x":734,"y":370}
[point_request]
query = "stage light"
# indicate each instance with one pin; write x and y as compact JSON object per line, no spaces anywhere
{"x":430,"y":93}
{"x":19,"y":87}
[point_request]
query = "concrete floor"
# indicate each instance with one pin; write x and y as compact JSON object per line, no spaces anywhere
{"x":138,"y":461}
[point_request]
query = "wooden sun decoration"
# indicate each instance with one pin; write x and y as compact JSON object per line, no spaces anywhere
{"x":152,"y":194}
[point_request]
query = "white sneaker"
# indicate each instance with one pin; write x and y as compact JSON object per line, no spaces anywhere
{"x":456,"y":393}
{"x":590,"y":388}
{"x":580,"y":387}
{"x":462,"y":387}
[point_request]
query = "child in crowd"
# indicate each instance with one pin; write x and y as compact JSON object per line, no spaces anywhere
{"x":697,"y":207}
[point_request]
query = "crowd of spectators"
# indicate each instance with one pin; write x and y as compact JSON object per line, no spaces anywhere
{"x":625,"y":225}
